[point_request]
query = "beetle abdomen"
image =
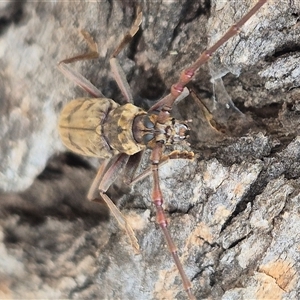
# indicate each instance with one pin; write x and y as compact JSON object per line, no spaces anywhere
{"x":99,"y":127}
{"x":80,"y":126}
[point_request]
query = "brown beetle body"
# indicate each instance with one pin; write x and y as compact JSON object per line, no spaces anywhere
{"x":102,"y":128}
{"x":99,"y":127}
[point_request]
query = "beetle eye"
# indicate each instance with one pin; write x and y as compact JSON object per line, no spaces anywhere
{"x":147,"y":138}
{"x":148,"y":123}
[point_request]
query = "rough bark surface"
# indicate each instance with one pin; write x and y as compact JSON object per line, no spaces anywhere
{"x":233,"y":210}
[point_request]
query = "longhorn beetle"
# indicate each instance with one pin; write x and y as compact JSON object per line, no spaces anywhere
{"x":118,"y":134}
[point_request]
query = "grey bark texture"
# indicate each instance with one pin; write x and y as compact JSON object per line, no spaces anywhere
{"x":233,"y":210}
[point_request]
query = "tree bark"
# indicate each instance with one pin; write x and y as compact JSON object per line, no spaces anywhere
{"x":233,"y":210}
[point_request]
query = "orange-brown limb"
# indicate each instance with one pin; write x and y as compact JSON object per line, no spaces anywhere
{"x":187,"y":74}
{"x":157,"y":199}
{"x":164,"y":159}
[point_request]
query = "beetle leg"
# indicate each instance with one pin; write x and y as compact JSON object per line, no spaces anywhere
{"x":131,"y":167}
{"x":107,"y":174}
{"x":120,"y":79}
{"x":92,"y":54}
{"x":76,"y":76}
{"x":80,"y":80}
{"x":93,"y":192}
{"x":122,"y":222}
{"x":116,"y":69}
{"x":130,"y":33}
{"x":165,"y":159}
{"x":160,"y":103}
{"x":188,"y":74}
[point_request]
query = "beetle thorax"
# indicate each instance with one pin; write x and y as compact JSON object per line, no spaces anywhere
{"x":147,"y":130}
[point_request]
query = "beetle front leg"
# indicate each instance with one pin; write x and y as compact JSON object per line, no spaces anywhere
{"x":107,"y":174}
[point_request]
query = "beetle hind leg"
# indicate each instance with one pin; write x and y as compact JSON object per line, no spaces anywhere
{"x":76,"y":76}
{"x":108,"y":172}
{"x":116,"y":69}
